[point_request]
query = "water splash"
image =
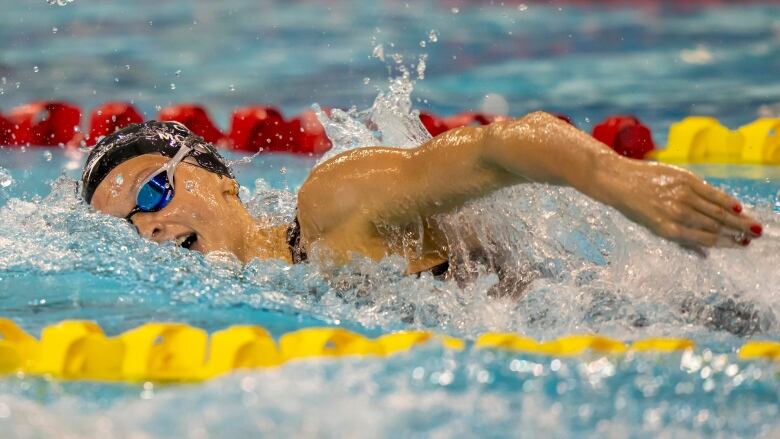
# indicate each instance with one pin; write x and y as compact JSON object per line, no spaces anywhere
{"x":547,"y":261}
{"x":391,"y":119}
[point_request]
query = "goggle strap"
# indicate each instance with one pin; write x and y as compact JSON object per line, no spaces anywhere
{"x":170,"y":166}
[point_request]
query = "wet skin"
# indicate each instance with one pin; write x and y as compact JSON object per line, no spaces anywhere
{"x":348,"y":203}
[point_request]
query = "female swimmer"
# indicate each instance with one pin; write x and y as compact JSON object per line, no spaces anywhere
{"x":175,"y":187}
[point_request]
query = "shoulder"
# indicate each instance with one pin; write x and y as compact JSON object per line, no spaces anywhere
{"x":345,"y":186}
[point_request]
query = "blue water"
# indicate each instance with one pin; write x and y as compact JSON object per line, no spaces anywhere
{"x":593,"y":271}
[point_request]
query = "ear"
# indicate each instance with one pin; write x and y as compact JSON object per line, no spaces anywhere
{"x":228,"y":186}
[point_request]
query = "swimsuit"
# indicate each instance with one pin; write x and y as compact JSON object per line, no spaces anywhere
{"x":299,"y":254}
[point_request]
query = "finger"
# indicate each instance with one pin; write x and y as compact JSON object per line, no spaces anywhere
{"x":728,"y":203}
{"x":691,"y":237}
{"x":691,"y":217}
{"x":716,"y":196}
{"x":739,"y":224}
{"x":726,"y":241}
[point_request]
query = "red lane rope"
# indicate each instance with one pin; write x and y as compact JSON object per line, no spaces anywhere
{"x":255,"y":128}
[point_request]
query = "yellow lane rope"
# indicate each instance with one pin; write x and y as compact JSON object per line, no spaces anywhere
{"x":74,"y":349}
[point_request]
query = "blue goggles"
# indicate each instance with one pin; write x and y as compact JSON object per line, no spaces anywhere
{"x":157,"y":190}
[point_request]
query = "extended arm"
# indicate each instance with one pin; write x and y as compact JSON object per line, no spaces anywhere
{"x":397,"y":186}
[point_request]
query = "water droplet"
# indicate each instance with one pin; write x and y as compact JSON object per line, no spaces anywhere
{"x":494,"y":103}
{"x":178,"y":73}
{"x":5,"y":178}
{"x":379,"y":52}
{"x":422,"y":43}
{"x":421,"y":67}
{"x":59,"y":2}
{"x":54,"y":30}
{"x":433,"y":36}
{"x":119,"y":179}
{"x":232,"y":87}
{"x":47,"y":156}
{"x":127,"y":66}
{"x":455,"y":10}
{"x":189,"y":185}
{"x":35,"y":69}
{"x":366,"y":80}
{"x":282,"y":170}
{"x":522,"y":7}
{"x":173,"y":86}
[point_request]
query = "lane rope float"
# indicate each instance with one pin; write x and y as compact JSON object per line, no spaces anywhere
{"x":255,"y":128}
{"x":177,"y":352}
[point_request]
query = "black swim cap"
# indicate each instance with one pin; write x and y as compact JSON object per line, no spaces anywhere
{"x":151,"y":137}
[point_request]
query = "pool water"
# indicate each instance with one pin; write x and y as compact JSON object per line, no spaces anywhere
{"x":580,"y":266}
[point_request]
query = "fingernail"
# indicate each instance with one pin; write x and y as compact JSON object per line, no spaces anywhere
{"x":756,"y":229}
{"x":737,"y":208}
{"x":744,"y":242}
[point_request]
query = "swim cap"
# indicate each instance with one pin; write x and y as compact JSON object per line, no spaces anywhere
{"x":151,"y":137}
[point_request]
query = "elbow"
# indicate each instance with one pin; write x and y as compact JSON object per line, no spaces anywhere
{"x":529,"y":128}
{"x":523,"y":146}
{"x":540,"y":119}
{"x":529,"y":124}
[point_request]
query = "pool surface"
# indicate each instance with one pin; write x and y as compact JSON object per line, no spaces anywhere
{"x":580,"y":266}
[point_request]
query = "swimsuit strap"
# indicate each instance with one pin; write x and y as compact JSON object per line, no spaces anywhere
{"x":294,"y":241}
{"x":299,"y":254}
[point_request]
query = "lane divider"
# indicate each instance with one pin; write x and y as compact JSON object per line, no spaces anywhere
{"x":168,"y":352}
{"x":253,"y":128}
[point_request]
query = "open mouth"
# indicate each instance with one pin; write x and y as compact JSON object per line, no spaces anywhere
{"x":187,"y":241}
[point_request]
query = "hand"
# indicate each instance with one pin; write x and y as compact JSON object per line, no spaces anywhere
{"x":677,"y":205}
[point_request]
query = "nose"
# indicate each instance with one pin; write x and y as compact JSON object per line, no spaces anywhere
{"x":149,"y":226}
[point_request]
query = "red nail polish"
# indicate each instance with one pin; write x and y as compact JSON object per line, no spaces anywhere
{"x":737,"y":208}
{"x":756,"y":229}
{"x":744,"y":242}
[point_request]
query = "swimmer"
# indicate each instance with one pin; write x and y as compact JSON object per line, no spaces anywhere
{"x":173,"y":186}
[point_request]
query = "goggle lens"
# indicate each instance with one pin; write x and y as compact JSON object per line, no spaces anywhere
{"x":156,"y":194}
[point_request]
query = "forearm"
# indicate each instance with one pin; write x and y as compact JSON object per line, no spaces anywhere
{"x":541,"y":148}
{"x":471,"y":162}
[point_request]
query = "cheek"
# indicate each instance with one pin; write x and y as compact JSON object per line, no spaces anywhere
{"x":200,"y":201}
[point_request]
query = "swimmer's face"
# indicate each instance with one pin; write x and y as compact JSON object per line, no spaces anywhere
{"x":204,"y":207}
